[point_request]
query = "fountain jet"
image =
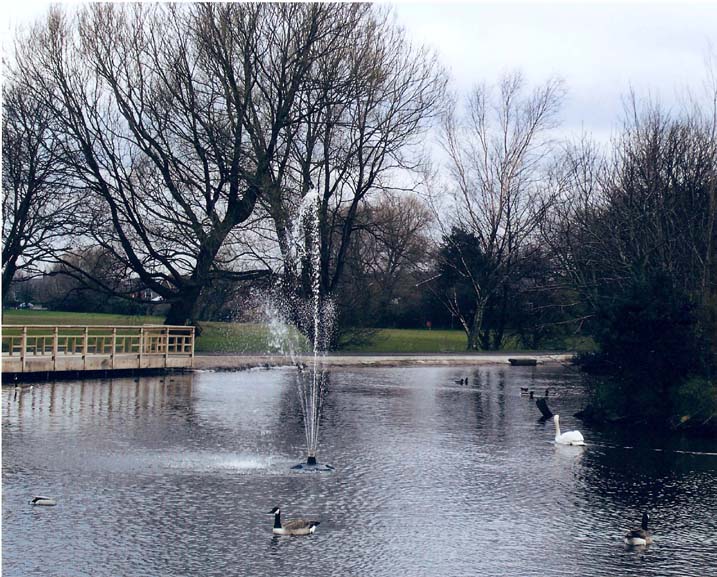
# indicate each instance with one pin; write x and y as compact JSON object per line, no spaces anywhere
{"x":313,"y":314}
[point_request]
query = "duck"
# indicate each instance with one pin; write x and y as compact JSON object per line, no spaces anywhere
{"x":531,"y":394}
{"x":568,"y":437}
{"x":639,"y":537}
{"x":523,"y":390}
{"x":293,"y":526}
{"x":43,"y":501}
{"x":462,"y":382}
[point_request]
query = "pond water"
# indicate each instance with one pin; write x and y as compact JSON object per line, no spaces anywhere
{"x":175,"y":476}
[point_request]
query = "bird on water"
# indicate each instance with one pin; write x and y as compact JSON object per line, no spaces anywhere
{"x":43,"y":501}
{"x":641,"y":536}
{"x":568,"y":437}
{"x":292,"y":526}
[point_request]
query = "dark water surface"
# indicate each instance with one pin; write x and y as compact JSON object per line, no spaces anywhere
{"x":174,"y":476}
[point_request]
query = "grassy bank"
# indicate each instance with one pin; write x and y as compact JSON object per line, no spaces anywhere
{"x":411,"y":341}
{"x":218,"y":337}
{"x":445,"y":341}
{"x":33,"y":317}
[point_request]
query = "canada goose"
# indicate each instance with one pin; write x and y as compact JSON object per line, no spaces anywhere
{"x":568,"y":437}
{"x":22,"y":386}
{"x":46,"y":501}
{"x":293,"y":526}
{"x":639,"y":537}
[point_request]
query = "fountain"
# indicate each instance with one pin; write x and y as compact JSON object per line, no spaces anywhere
{"x":313,"y":315}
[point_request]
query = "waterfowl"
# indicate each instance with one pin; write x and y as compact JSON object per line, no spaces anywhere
{"x":568,"y":437}
{"x":531,"y":394}
{"x":547,"y":392}
{"x":462,"y":382}
{"x":45,"y":501}
{"x":523,"y":390}
{"x":542,"y":404}
{"x":22,"y":387}
{"x":293,"y":526}
{"x":639,"y":537}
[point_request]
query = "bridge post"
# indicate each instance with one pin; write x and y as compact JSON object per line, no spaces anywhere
{"x":114,"y":347}
{"x":23,"y":348}
{"x":55,"y":338}
{"x":84,"y":348}
{"x":166,"y":346}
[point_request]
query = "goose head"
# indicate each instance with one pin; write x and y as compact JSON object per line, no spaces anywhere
{"x":275,"y":511}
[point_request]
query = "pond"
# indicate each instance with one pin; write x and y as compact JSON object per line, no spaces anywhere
{"x":175,"y":475}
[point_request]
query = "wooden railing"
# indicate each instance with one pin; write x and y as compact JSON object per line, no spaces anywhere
{"x":143,"y":344}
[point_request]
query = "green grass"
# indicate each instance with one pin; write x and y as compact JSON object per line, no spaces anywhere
{"x":218,"y":337}
{"x":32,"y":317}
{"x":247,"y":338}
{"x":412,"y":341}
{"x":448,"y":341}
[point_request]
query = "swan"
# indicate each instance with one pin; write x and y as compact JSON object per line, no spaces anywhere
{"x":293,"y":526}
{"x":46,"y":501}
{"x":639,"y":537}
{"x":568,"y":437}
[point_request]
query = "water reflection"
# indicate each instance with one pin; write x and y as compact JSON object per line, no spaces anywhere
{"x":174,"y":475}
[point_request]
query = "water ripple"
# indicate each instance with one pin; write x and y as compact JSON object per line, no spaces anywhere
{"x":175,"y":477}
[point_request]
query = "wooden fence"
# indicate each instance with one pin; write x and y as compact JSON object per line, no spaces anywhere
{"x":44,"y":348}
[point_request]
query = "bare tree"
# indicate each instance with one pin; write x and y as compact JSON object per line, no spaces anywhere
{"x":37,"y":203}
{"x":173,"y":116}
{"x":361,"y":122}
{"x":497,"y":154}
{"x":390,"y":244}
{"x":646,"y":207}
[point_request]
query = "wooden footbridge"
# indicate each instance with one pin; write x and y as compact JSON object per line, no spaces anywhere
{"x":35,"y":349}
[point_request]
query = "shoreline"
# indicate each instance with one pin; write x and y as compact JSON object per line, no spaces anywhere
{"x":239,"y":362}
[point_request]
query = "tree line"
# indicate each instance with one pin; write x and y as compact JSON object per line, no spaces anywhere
{"x":161,"y":153}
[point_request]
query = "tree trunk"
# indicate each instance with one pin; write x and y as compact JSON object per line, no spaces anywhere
{"x":8,"y":274}
{"x":474,"y":340}
{"x":184,"y":308}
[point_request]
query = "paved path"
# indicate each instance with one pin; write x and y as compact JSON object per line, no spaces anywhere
{"x":240,"y":362}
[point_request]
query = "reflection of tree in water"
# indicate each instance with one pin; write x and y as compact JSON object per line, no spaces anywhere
{"x":634,"y":475}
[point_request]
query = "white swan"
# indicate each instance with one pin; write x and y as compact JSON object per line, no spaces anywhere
{"x":568,"y":437}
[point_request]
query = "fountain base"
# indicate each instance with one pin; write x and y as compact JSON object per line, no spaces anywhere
{"x":312,"y":465}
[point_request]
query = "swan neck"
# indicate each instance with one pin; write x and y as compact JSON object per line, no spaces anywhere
{"x":557,"y":426}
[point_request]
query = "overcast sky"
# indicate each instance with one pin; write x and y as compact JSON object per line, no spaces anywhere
{"x":600,"y":49}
